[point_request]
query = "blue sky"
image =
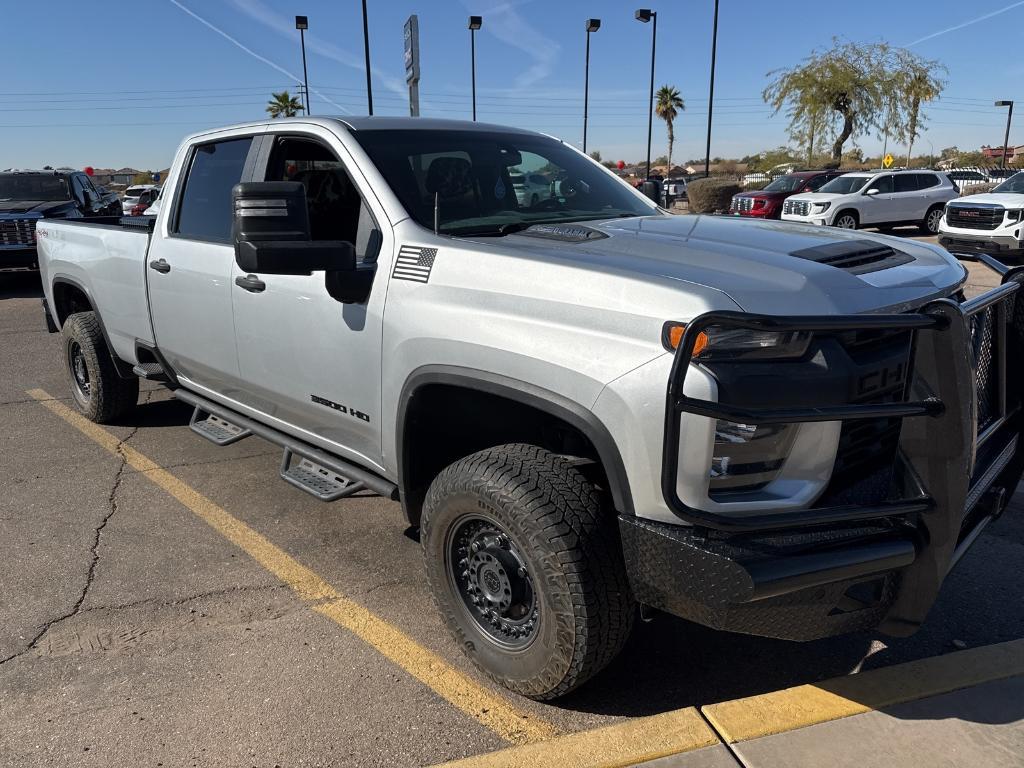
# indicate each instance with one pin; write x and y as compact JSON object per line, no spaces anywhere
{"x":116,"y":84}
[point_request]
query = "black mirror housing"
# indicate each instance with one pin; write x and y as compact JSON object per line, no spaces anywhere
{"x":272,"y":234}
{"x":651,"y":190}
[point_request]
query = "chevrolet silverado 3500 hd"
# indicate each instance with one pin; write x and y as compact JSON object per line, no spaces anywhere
{"x":583,"y":403}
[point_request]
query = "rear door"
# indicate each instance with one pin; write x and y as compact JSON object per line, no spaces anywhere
{"x":908,"y":201}
{"x":190,"y":265}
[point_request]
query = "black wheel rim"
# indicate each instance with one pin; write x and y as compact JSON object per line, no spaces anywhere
{"x":493,"y":581}
{"x":79,"y":370}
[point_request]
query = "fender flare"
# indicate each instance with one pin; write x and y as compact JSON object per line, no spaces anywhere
{"x":530,"y":395}
{"x":123,"y":369}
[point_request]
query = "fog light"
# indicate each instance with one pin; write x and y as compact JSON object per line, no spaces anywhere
{"x":747,"y":457}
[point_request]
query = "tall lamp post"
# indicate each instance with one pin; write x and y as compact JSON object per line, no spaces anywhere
{"x":302,"y":24}
{"x":1006,"y":138}
{"x":475,"y":22}
{"x":366,"y":51}
{"x":645,"y":15}
{"x":711,"y":93}
{"x":592,"y":26}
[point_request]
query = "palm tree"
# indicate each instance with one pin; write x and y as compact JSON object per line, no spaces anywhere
{"x":283,"y":105}
{"x":667,"y":105}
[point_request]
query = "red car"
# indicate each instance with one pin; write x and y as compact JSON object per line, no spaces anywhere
{"x":767,"y":203}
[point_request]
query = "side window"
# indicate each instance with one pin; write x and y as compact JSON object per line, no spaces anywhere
{"x":205,"y":208}
{"x":336,"y":209}
{"x":818,"y":182}
{"x":883,"y":184}
{"x":907,"y":182}
{"x":76,"y":187}
{"x":927,"y":180}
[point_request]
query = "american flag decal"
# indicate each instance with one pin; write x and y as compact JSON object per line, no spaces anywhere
{"x":414,"y":263}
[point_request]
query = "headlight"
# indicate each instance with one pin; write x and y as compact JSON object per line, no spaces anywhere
{"x":717,"y":343}
{"x":1014,"y":215}
{"x":821,"y":207}
{"x":747,"y":457}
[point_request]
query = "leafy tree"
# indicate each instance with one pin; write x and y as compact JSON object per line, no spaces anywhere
{"x":851,"y":88}
{"x":667,"y":105}
{"x":283,"y":105}
{"x":660,"y":160}
{"x":768,"y":159}
{"x":595,"y":155}
{"x":142,"y":177}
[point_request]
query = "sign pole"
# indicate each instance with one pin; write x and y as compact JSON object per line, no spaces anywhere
{"x":412,"y":63}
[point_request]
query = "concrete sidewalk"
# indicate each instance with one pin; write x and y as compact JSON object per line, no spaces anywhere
{"x":978,"y":726}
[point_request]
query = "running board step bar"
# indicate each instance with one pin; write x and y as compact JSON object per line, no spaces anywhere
{"x":317,"y":480}
{"x":318,"y":458}
{"x":215,"y":429}
{"x":151,"y":372}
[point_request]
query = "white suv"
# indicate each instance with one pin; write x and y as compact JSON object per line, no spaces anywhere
{"x":875,"y":198}
{"x":987,"y":223}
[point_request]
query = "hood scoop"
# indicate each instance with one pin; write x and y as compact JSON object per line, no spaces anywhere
{"x":858,"y":257}
{"x":566,"y":233}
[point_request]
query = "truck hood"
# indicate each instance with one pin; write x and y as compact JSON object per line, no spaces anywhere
{"x":763,"y":266}
{"x":1005,"y":199}
{"x":32,"y":206}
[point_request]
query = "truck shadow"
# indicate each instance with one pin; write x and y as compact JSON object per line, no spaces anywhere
{"x":670,"y":663}
{"x":21,"y":285}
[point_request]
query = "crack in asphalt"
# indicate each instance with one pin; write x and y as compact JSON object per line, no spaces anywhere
{"x":162,"y":603}
{"x":94,"y":552}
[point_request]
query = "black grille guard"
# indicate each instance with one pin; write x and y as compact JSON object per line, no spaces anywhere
{"x":941,"y":506}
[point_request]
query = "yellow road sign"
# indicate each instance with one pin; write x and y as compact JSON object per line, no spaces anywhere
{"x":887,"y":161}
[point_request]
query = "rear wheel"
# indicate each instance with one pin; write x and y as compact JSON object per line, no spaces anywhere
{"x":99,"y":393}
{"x":930,"y":225}
{"x":846,"y":220}
{"x":525,"y":566}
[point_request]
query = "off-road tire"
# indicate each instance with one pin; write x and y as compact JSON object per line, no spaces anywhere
{"x":568,"y":537}
{"x":109,"y":395}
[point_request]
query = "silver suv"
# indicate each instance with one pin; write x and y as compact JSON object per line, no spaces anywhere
{"x":880,"y":199}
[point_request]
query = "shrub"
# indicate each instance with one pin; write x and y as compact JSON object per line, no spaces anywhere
{"x":976,"y":189}
{"x":711,"y":195}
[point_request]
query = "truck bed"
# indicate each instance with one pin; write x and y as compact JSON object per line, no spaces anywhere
{"x":106,"y":259}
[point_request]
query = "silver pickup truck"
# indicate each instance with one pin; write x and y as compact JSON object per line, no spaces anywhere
{"x":583,"y":403}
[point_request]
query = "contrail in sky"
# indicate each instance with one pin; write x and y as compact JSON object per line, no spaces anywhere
{"x":257,"y":56}
{"x":961,"y":26}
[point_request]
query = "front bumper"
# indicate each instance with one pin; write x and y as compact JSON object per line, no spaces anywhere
{"x":820,"y":219}
{"x":19,"y":259}
{"x":847,"y":564}
{"x":1003,"y":246}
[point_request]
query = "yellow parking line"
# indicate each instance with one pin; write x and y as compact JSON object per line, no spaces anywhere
{"x":627,"y":743}
{"x":805,"y":705}
{"x":462,"y":691}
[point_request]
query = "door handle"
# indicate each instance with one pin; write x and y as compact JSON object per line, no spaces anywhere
{"x":160,"y":265}
{"x":251,"y":283}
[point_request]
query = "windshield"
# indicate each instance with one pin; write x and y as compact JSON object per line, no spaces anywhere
{"x":134,"y":191}
{"x":785,"y":184}
{"x":844,"y":185}
{"x":471,"y":177}
{"x":1013,"y":184}
{"x":41,"y":188}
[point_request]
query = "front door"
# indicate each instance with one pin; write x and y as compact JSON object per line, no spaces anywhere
{"x":189,"y":269}
{"x":308,"y":361}
{"x":878,"y":208}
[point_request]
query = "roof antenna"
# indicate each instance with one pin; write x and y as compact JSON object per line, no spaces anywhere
{"x":437,"y":213}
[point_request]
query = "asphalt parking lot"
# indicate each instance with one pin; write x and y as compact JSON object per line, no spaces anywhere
{"x":164,"y":601}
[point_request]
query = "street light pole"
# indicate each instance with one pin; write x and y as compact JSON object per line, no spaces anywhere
{"x":1006,"y":138}
{"x":475,"y":22}
{"x":592,"y":26}
{"x":302,"y":24}
{"x":366,"y":50}
{"x":711,"y":92}
{"x":645,"y":15}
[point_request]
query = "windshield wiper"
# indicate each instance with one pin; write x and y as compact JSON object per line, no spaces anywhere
{"x":499,"y":231}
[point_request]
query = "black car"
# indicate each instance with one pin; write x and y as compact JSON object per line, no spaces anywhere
{"x":27,"y":196}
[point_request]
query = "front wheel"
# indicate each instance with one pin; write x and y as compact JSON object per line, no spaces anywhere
{"x":99,"y":393}
{"x":932,"y":219}
{"x":846,"y":220}
{"x":525,"y":566}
